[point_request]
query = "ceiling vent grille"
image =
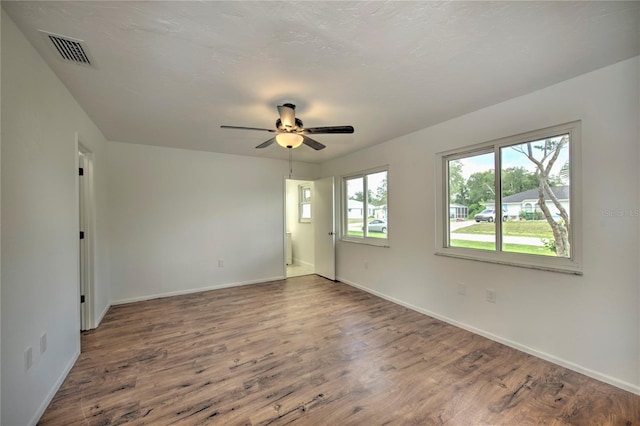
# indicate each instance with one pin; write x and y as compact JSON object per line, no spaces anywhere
{"x":69,"y":49}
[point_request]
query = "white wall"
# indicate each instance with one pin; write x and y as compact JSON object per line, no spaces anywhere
{"x":302,"y":233}
{"x":0,"y":226}
{"x":174,"y":213}
{"x":40,"y":288}
{"x":589,"y":323}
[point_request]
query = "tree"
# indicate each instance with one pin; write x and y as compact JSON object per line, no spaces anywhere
{"x":380,"y":197}
{"x":480,"y":186}
{"x":516,"y":180}
{"x":457,"y":185}
{"x":359,"y":196}
{"x":549,"y":152}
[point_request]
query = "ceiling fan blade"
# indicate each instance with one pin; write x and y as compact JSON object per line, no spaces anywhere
{"x":329,"y":129}
{"x":266,"y":143}
{"x":287,"y":115}
{"x":247,"y":128}
{"x":312,"y":143}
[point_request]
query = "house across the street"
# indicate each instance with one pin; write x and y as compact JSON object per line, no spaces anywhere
{"x":527,"y":201}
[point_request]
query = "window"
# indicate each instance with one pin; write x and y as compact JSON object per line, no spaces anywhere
{"x":304,"y":196}
{"x":365,"y":212}
{"x":517,"y":194}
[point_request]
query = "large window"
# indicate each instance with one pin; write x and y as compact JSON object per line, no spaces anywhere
{"x":365,"y":215}
{"x":510,"y":201}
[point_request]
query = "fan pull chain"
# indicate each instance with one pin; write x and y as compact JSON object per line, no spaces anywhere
{"x":290,"y":163}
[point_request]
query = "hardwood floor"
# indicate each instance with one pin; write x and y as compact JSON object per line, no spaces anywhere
{"x":313,"y":352}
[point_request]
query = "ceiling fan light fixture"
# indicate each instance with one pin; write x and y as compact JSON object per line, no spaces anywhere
{"x":290,"y":132}
{"x":289,"y":140}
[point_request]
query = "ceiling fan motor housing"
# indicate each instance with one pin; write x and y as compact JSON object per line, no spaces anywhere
{"x":282,"y":127}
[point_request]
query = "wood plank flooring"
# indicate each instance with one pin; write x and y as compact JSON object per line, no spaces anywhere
{"x":313,"y":352}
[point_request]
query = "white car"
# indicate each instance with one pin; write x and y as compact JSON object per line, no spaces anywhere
{"x":377,"y":225}
{"x":489,"y":215}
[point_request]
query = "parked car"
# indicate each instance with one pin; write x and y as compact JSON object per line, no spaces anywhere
{"x":377,"y":225}
{"x":489,"y":215}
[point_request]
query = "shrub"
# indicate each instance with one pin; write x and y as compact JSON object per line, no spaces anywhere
{"x":550,"y":244}
{"x":475,"y":208}
{"x":531,"y":215}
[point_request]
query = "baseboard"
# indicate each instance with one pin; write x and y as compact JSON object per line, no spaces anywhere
{"x":101,"y":316}
{"x":300,"y":262}
{"x":56,"y":386}
{"x":543,"y":355}
{"x":195,"y":290}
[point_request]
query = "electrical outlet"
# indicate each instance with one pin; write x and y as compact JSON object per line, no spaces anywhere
{"x":462,"y":288}
{"x":491,"y":295}
{"x":220,"y":263}
{"x":43,"y":343}
{"x":28,"y":358}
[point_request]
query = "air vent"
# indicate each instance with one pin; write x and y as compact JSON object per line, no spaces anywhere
{"x":69,"y":49}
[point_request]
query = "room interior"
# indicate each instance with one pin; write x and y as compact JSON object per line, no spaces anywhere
{"x":180,"y":206}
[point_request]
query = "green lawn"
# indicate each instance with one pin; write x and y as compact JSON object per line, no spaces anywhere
{"x":513,"y":248}
{"x":371,"y":234}
{"x":528,"y":228}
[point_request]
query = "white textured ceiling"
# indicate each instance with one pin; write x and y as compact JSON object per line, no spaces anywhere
{"x":170,"y":73}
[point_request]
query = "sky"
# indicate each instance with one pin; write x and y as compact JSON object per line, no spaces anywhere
{"x":374,"y":181}
{"x":510,"y":158}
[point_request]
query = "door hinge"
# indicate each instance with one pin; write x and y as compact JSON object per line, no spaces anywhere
{"x":82,"y":235}
{"x":82,"y":298}
{"x":81,"y":171}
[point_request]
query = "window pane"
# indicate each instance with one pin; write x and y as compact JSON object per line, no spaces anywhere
{"x":306,"y":194}
{"x":355,"y":207}
{"x":306,"y":211}
{"x":377,"y":205}
{"x":471,"y":202}
{"x":535,"y":193}
{"x":305,"y":203}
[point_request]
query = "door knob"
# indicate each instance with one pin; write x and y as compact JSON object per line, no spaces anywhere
{"x":331,"y":233}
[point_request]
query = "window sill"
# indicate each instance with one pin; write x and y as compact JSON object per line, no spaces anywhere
{"x":367,"y":242}
{"x":564,"y":266}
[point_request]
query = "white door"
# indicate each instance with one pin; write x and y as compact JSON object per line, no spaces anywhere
{"x":86,"y":201}
{"x":325,"y":231}
{"x":83,"y":244}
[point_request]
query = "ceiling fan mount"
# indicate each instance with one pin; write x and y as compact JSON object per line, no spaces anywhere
{"x":290,"y":131}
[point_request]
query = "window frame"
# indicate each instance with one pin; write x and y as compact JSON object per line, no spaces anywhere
{"x":572,"y":265}
{"x":302,"y":201}
{"x":365,"y":239}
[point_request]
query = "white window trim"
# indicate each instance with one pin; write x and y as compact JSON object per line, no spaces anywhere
{"x":372,"y":241}
{"x":302,"y":201}
{"x":571,"y":265}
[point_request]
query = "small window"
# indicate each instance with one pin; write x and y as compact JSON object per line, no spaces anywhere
{"x":517,"y":194}
{"x":365,"y":211}
{"x":304,"y":194}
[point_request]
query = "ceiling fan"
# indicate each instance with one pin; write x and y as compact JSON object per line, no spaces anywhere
{"x":290,"y":132}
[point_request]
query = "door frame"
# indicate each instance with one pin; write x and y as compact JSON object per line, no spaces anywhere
{"x":294,"y":214}
{"x":314,"y":223}
{"x":86,"y":247}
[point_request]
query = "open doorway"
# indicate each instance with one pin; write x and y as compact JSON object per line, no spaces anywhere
{"x":299,"y":228}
